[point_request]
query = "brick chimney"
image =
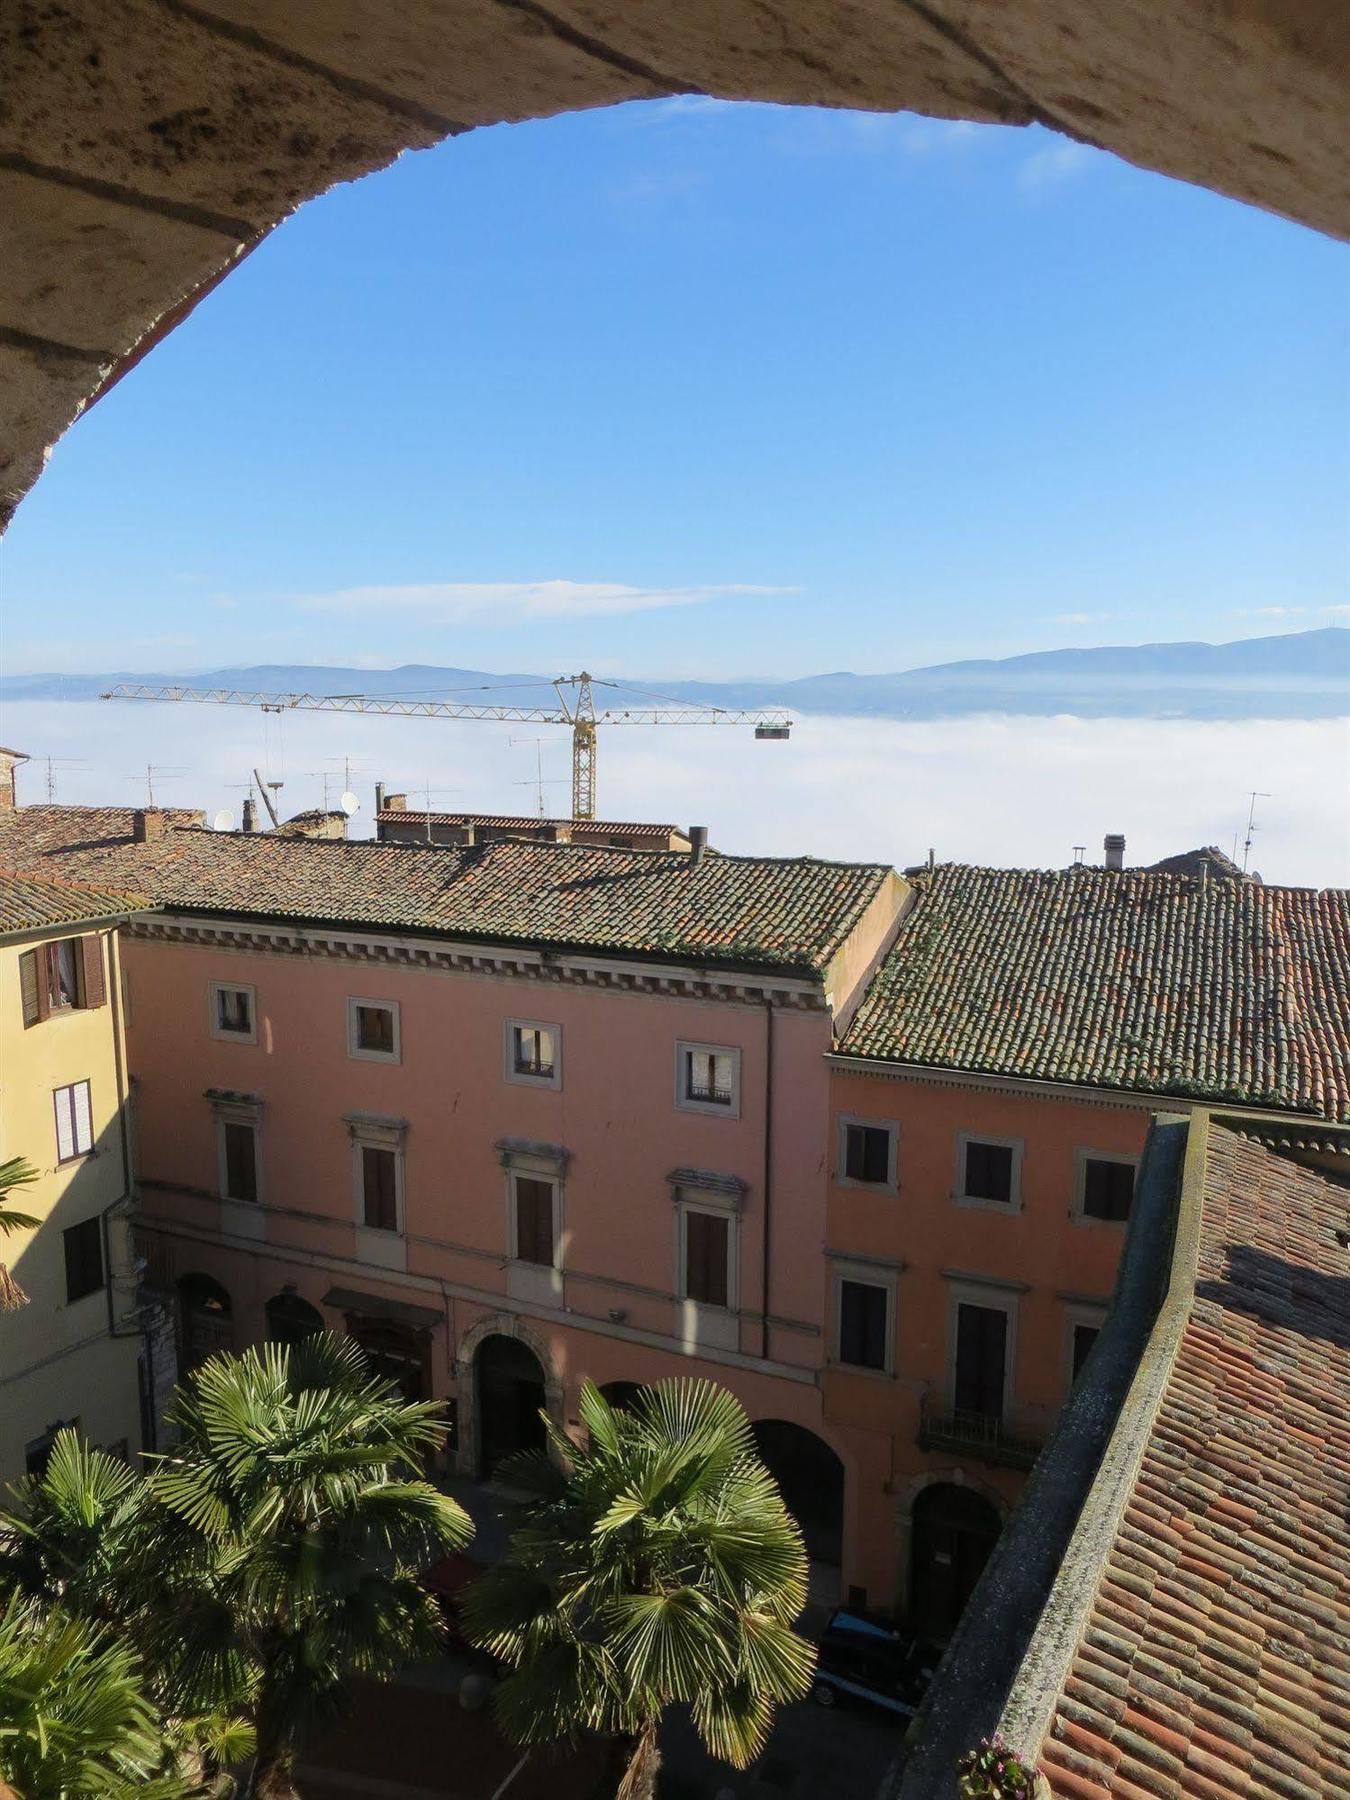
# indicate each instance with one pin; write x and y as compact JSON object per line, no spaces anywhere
{"x":9,"y":761}
{"x":1114,"y":846}
{"x":148,"y":825}
{"x":395,"y":803}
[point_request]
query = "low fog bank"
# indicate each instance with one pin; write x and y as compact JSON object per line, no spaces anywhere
{"x":996,"y":789}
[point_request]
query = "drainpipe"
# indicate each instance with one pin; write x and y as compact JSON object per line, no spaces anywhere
{"x":141,"y":1330}
{"x":768,"y":1177}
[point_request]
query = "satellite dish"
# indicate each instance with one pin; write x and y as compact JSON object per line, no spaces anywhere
{"x":349,"y":803}
{"x":223,"y":821}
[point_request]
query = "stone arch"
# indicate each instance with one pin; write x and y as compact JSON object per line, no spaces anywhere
{"x":812,"y":1479}
{"x":469,"y":1445}
{"x":911,"y":1497}
{"x":1249,"y":101}
{"x":205,"y":1319}
{"x":290,"y":1318}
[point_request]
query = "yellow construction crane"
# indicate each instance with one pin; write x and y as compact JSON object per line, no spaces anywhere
{"x":575,"y":708}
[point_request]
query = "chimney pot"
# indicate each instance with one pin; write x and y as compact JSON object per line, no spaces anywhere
{"x":469,"y":837}
{"x":698,"y":842}
{"x":250,"y":814}
{"x":147,"y":825}
{"x":1114,"y":846}
{"x":379,"y":796}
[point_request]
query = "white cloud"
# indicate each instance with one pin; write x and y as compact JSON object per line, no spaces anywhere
{"x":1000,"y":790}
{"x":505,"y":602}
{"x":1060,"y":160}
{"x":1270,"y":612}
{"x":1081,"y":618}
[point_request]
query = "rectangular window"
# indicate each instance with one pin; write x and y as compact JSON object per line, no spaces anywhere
{"x":708,"y":1077}
{"x":240,"y":1159}
{"x":988,"y":1172}
{"x":65,"y":975}
{"x":379,"y":1188}
{"x":862,"y":1323}
{"x":74,"y":1121}
{"x":534,"y":1220}
{"x":707,"y":1244}
{"x":981,"y":1359}
{"x":234,"y":1011}
{"x":373,"y":1030}
{"x":84,"y":1258}
{"x":532,"y":1051}
{"x":1084,"y":1337}
{"x":1108,"y":1189}
{"x":867,"y":1153}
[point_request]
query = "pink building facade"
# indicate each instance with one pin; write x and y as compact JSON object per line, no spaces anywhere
{"x":503,"y":1169}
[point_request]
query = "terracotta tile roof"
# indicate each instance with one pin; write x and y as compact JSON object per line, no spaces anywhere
{"x":789,"y":914}
{"x":32,"y":902}
{"x":398,"y":815}
{"x":1220,"y":989}
{"x":1215,"y":1658}
{"x":1208,"y":858}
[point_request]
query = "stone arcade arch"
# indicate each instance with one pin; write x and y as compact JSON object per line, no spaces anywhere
{"x":475,"y":1446}
{"x":144,"y":150}
{"x":953,"y":1528}
{"x":810,"y":1477}
{"x":290,"y":1319}
{"x":205,"y":1320}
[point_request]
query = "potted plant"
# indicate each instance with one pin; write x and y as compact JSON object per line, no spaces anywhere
{"x":993,"y":1771}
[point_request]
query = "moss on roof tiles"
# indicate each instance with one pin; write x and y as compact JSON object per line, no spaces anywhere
{"x":34,"y":902}
{"x":1220,"y":989}
{"x":789,"y":914}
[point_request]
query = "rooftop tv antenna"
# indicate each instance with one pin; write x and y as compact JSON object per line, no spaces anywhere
{"x":538,"y":783}
{"x":51,"y":764}
{"x":1252,"y":828}
{"x":152,"y":770}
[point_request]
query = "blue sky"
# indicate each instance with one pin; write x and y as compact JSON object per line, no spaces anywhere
{"x":694,"y":389}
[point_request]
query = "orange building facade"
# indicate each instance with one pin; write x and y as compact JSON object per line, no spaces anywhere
{"x":968,"y":1276}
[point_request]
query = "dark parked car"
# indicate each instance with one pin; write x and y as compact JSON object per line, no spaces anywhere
{"x":866,"y":1662}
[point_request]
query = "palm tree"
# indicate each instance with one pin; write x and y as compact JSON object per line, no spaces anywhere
{"x":17,"y":1172}
{"x":656,"y":1564}
{"x":74,"y":1715}
{"x":297,"y":1521}
{"x":83,"y":1534}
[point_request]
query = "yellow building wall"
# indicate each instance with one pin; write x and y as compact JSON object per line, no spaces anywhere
{"x":61,"y":1361}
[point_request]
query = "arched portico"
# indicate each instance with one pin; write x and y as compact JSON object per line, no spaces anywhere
{"x":469,"y":1454}
{"x":919,"y":1510}
{"x":147,"y":149}
{"x":205,"y":1320}
{"x":810,"y":1477}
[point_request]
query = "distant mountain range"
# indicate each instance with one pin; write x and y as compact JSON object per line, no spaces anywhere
{"x":1298,"y":675}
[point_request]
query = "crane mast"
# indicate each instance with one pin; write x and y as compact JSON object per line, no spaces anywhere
{"x":576,"y":711}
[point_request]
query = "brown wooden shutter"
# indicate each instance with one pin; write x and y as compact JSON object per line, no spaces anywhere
{"x":30,"y":987}
{"x":95,"y":992}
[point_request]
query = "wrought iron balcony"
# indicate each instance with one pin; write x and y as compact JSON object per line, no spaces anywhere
{"x":1011,"y":1441}
{"x":710,"y":1094}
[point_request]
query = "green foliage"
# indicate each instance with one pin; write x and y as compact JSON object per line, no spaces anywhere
{"x":657,"y":1564}
{"x":16,"y":1172}
{"x":993,"y":1772}
{"x":75,"y":1719}
{"x":272,"y":1557}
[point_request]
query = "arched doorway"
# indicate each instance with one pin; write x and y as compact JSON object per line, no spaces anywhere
{"x":290,"y":1319}
{"x":205,"y":1320}
{"x":621,"y":1394}
{"x":954,"y":1530}
{"x":810,"y":1478}
{"x":510,"y":1389}
{"x":396,"y":1353}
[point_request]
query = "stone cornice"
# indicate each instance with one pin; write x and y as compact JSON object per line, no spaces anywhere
{"x":450,"y":956}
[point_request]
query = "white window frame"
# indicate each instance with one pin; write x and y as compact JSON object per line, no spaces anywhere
{"x":865,"y":1274}
{"x":711,"y":1108}
{"x":386,"y":1249}
{"x":891,"y":1185}
{"x":1082,"y":1156}
{"x":1013,"y":1204}
{"x":1076,"y":1313}
{"x":217,"y":1030}
{"x":994,"y":1296}
{"x":522,"y":1077}
{"x":226,"y":1115}
{"x":354,"y":1003}
{"x":78,"y":1152}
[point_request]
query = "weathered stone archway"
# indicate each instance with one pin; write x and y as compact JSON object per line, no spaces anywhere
{"x":906,"y":1499}
{"x":468,"y":1450}
{"x":145,"y":147}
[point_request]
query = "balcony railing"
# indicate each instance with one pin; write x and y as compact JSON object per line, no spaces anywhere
{"x":1012,"y":1441}
{"x":535,"y":1065}
{"x":710,"y":1095}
